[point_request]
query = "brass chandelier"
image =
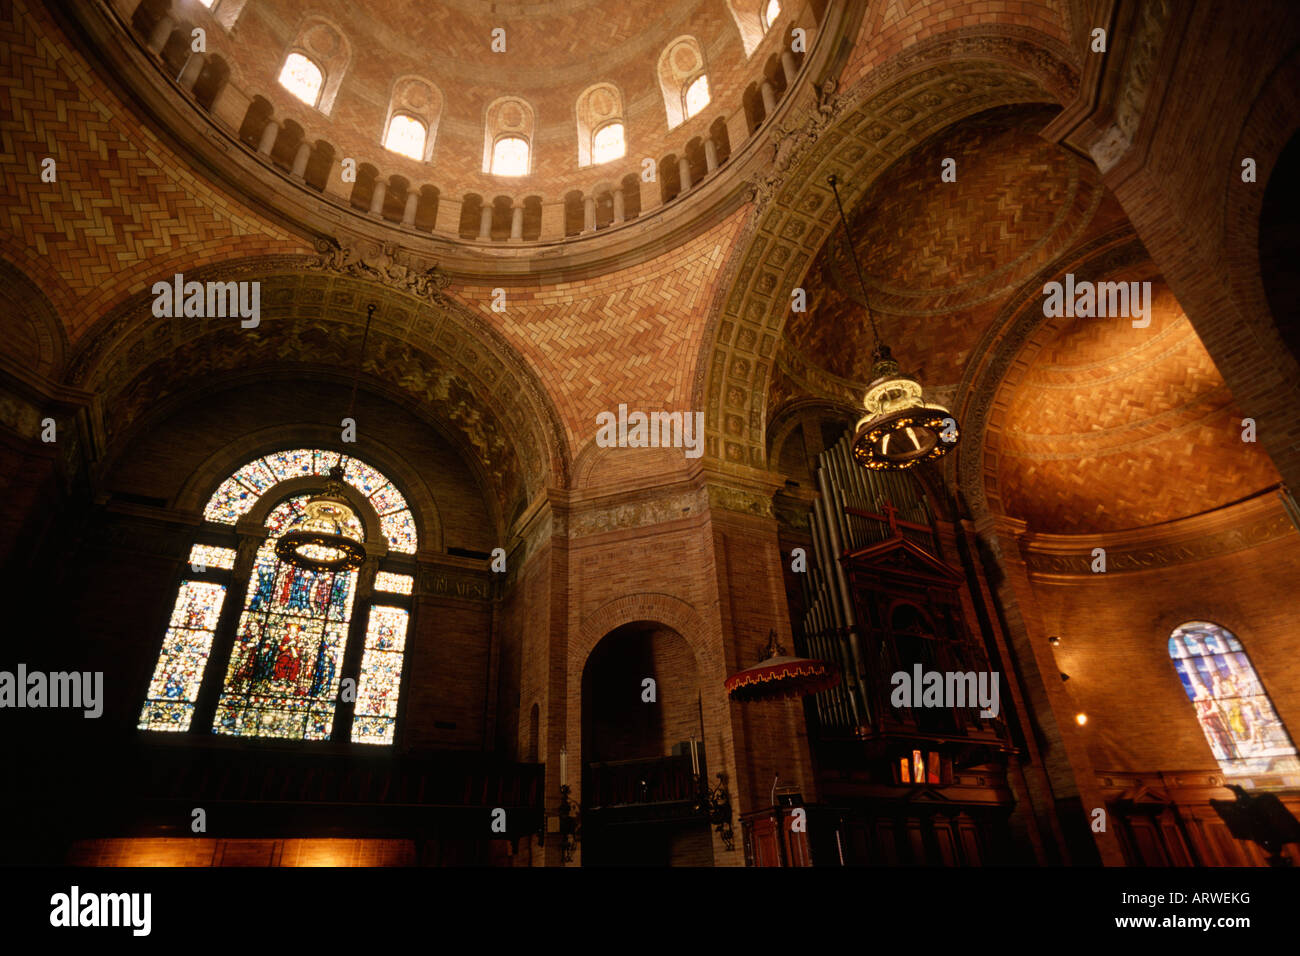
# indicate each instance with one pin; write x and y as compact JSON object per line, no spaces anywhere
{"x":900,"y":428}
{"x":323,"y":540}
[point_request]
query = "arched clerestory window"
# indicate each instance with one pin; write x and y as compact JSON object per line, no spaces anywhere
{"x":509,"y":124}
{"x":283,"y":651}
{"x":683,"y":80}
{"x":1248,"y":739}
{"x":302,"y":77}
{"x":600,"y":125}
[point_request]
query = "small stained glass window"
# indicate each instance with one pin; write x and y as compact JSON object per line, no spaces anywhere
{"x":697,"y":95}
{"x":203,"y":556}
{"x":510,"y":156}
{"x":186,"y":646}
{"x":394,"y":583}
{"x":302,"y":78}
{"x":381,"y":676}
{"x":608,"y":143}
{"x":406,"y":135}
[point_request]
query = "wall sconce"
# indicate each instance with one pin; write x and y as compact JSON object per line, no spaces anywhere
{"x":713,"y":803}
{"x":1054,"y":640}
{"x":570,"y":814}
{"x":1080,"y":719}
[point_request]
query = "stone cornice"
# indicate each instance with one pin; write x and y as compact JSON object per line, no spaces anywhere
{"x":1237,"y":527}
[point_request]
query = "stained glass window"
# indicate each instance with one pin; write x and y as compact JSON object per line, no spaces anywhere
{"x":238,"y":493}
{"x":186,"y":646}
{"x":283,"y":675}
{"x":1243,"y":730}
{"x":394,"y":583}
{"x":381,"y":676}
{"x":203,"y":556}
{"x":284,"y":672}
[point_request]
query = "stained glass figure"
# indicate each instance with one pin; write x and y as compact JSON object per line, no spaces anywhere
{"x":381,"y":676}
{"x":1244,"y":732}
{"x":186,"y":646}
{"x":282,"y":680}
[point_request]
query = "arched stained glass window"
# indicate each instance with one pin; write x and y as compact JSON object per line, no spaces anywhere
{"x":1244,"y":732}
{"x":287,"y":649}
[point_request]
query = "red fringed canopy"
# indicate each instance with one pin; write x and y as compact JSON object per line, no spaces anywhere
{"x":779,"y":677}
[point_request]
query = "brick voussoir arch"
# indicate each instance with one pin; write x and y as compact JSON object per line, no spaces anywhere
{"x":1018,"y":333}
{"x":653,"y":607}
{"x":856,"y":135}
{"x":310,"y":313}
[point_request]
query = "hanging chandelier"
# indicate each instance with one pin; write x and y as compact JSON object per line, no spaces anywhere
{"x":900,"y":428}
{"x":324,"y":539}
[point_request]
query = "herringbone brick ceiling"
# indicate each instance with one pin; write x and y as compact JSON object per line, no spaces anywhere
{"x":1115,"y":427}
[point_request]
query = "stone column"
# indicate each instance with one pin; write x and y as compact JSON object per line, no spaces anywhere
{"x":190,"y":72}
{"x":769,"y":97}
{"x":485,"y":223}
{"x":412,"y":202}
{"x":377,"y":198}
{"x":589,"y":214}
{"x":517,"y":223}
{"x":684,"y":171}
{"x":267,"y":142}
{"x":619,"y":212}
{"x":789,"y":67}
{"x":300,"y":160}
{"x":710,"y":155}
{"x":162,"y":32}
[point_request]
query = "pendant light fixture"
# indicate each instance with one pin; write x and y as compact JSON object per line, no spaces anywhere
{"x":323,"y":539}
{"x":900,"y":429}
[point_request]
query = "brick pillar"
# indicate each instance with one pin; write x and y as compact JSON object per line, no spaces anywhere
{"x":1064,"y":750}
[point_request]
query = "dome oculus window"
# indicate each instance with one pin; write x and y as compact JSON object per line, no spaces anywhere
{"x":696,"y":96}
{"x":510,"y":156}
{"x":302,"y":78}
{"x":406,"y":135}
{"x":608,"y":143}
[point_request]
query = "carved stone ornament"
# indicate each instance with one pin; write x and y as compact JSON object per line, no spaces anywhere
{"x":384,"y":263}
{"x":791,"y":144}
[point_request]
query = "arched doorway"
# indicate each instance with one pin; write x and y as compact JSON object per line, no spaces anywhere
{"x":640,"y":710}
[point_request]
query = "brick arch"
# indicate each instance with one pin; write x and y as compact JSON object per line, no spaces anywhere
{"x":652,"y":608}
{"x":893,"y":109}
{"x":433,"y":353}
{"x":1006,"y":350}
{"x":1270,"y":124}
{"x":33,"y":331}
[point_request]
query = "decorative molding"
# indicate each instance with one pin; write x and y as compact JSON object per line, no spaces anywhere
{"x":741,"y":500}
{"x":1240,"y":527}
{"x":385,"y":263}
{"x":443,"y":583}
{"x":635,"y":514}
